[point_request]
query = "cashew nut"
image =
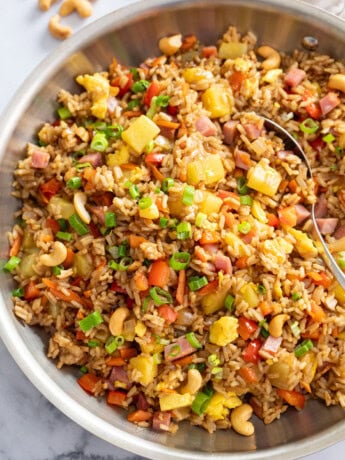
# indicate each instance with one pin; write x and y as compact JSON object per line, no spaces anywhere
{"x":44,"y":5}
{"x":194,"y":382}
{"x":117,"y":319}
{"x":57,"y":29}
{"x":57,"y":255}
{"x":272,"y":57}
{"x":239,"y":420}
{"x":170,"y":45}
{"x":83,"y":7}
{"x":275,"y":327}
{"x":337,"y":81}
{"x":79,"y":201}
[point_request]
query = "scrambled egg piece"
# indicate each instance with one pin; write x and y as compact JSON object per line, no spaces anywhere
{"x":118,"y":158}
{"x":304,"y":245}
{"x":277,"y":248}
{"x":219,"y":405}
{"x":99,"y":89}
{"x":172,"y":401}
{"x":224,"y":331}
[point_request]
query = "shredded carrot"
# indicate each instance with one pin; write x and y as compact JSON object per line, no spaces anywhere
{"x":168,"y":313}
{"x":320,"y":279}
{"x":103,"y":199}
{"x":305,"y":386}
{"x":200,"y":253}
{"x":80,"y":314}
{"x":54,"y":288}
{"x":283,"y":185}
{"x":316,"y":312}
{"x":228,"y":216}
{"x":128,"y":166}
{"x":88,"y":382}
{"x":188,"y":42}
{"x":31,"y":291}
{"x":181,"y":286}
{"x":266,"y":307}
{"x":249,"y":236}
{"x":311,"y":334}
{"x":16,"y":245}
{"x":167,"y":124}
{"x":132,"y":113}
{"x":209,"y":51}
{"x":288,"y":216}
{"x":210,"y":287}
{"x":294,"y":398}
{"x":139,"y":416}
{"x":182,"y":175}
{"x":128,"y":352}
{"x":160,"y":60}
{"x":335,"y":332}
{"x":272,"y":220}
{"x":89,"y":174}
{"x":80,"y":335}
{"x":209,"y":237}
{"x":185,"y":361}
{"x":159,"y":273}
{"x":293,"y":185}
{"x":88,"y":293}
{"x":248,"y":374}
{"x":156,"y":173}
{"x":160,"y":206}
{"x":141,"y":281}
{"x":135,"y":240}
{"x":241,"y":262}
{"x":52,"y":224}
{"x":116,"y":398}
{"x":182,"y":131}
{"x":47,"y":238}
{"x":68,"y":262}
{"x":115,"y":361}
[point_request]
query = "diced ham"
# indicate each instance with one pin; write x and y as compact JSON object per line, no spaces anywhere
{"x":141,"y":402}
{"x":340,"y":232}
{"x":294,"y":77}
{"x":118,"y":378}
{"x":252,"y":130}
{"x":222,"y":262}
{"x":40,"y":159}
{"x":321,"y":208}
{"x":329,"y":102}
{"x":302,"y":213}
{"x":328,"y":225}
{"x":205,"y":126}
{"x":230,"y":131}
{"x":270,"y":346}
{"x":95,"y":159}
{"x":98,"y":211}
{"x":161,"y":421}
{"x":178,"y":349}
{"x":211,"y":248}
{"x":242,"y":159}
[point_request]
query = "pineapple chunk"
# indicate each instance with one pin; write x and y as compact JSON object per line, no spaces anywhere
{"x":277,"y":290}
{"x":151,"y":347}
{"x":213,"y":167}
{"x":210,"y":203}
{"x":218,"y":101}
{"x":224,"y":331}
{"x":341,"y":140}
{"x":151,"y":212}
{"x":82,"y":265}
{"x":118,"y":158}
{"x":272,"y":75}
{"x":237,"y":248}
{"x":175,"y":401}
{"x":59,"y":207}
{"x":304,"y":245}
{"x":232,"y":50}
{"x":248,"y":293}
{"x":99,"y":89}
{"x":140,"y":329}
{"x":195,"y":74}
{"x":220,"y":404}
{"x":258,"y":212}
{"x":195,"y":172}
{"x":140,"y":133}
{"x":144,"y":369}
{"x":26,"y":264}
{"x":339,"y":294}
{"x":309,"y":370}
{"x":214,"y":301}
{"x":263,"y":178}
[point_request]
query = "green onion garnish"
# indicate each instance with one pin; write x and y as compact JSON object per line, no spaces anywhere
{"x":175,"y":350}
{"x":213,"y":360}
{"x":167,"y":183}
{"x":339,"y":151}
{"x":123,"y":249}
{"x":62,"y":224}
{"x":140,"y":86}
{"x":110,"y":345}
{"x":201,"y":401}
{"x":303,"y":348}
{"x":83,"y":370}
{"x":163,"y":222}
{"x":341,"y":260}
{"x":241,"y":185}
{"x":78,"y":225}
{"x":133,"y":191}
{"x":80,"y":166}
{"x":200,"y":219}
{"x":160,"y":296}
{"x":246,"y":200}
{"x":261,"y":289}
{"x":188,"y":195}
{"x":199,"y":366}
{"x":64,"y":236}
{"x":91,"y":321}
{"x":57,"y":270}
{"x":133,"y":103}
{"x":93,"y":343}
{"x":135,"y":73}
{"x":217,"y":372}
{"x":64,"y":113}
{"x":244,"y":227}
{"x":145,"y":202}
{"x":157,"y":358}
{"x":124,"y":263}
{"x":195,"y":283}
{"x":190,"y":336}
{"x":149,"y":147}
{"x":309,"y":126}
{"x":179,"y":260}
{"x":74,"y":182}
{"x":296,"y":331}
{"x":11,"y":264}
{"x":99,"y":142}
{"x":329,"y":138}
{"x":296,"y":296}
{"x":264,"y":328}
{"x":184,"y":231}
{"x":19,"y":292}
{"x":162,"y":101}
{"x":229,"y":302}
{"x":110,"y":219}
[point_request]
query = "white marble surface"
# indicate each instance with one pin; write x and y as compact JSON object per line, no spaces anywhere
{"x":30,"y":427}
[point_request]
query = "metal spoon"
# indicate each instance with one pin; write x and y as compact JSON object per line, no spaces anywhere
{"x":291,"y":144}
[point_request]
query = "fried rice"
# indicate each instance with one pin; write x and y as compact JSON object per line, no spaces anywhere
{"x":165,"y":242}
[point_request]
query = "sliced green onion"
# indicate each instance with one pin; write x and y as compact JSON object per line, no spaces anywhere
{"x":303,"y":348}
{"x":296,"y":296}
{"x":140,"y":86}
{"x":329,"y":138}
{"x":113,"y":131}
{"x":184,"y":231}
{"x":93,"y":343}
{"x":145,"y":303}
{"x":157,"y":358}
{"x":133,"y":191}
{"x":188,"y":195}
{"x":135,"y":72}
{"x":195,"y":283}
{"x":190,"y":336}
{"x":160,"y":340}
{"x":163,"y":222}
{"x":57,"y":270}
{"x":244,"y":227}
{"x":339,"y":151}
{"x":157,"y":190}
{"x":133,"y":103}
{"x":175,"y":350}
{"x":11,"y":264}
{"x":64,"y":113}
{"x":110,"y":219}
{"x":41,"y":143}
{"x":114,"y":265}
{"x":147,"y":263}
{"x":99,"y":142}
{"x":74,"y":182}
{"x":241,"y":185}
{"x":80,"y":166}
{"x":246,"y":200}
{"x":213,"y":360}
{"x":333,"y":167}
{"x":179,"y":260}
{"x":200,"y":219}
{"x":167,"y":183}
{"x":261,"y":289}
{"x":200,"y":403}
{"x":64,"y":236}
{"x":110,"y":345}
{"x":309,"y":126}
{"x":19,"y":292}
{"x":264,"y":328}
{"x":78,"y":225}
{"x":149,"y":147}
{"x":153,"y":108}
{"x":217,"y":372}
{"x":341,"y":259}
{"x":91,"y":321}
{"x":160,"y":296}
{"x":229,"y":302}
{"x":296,"y":331}
{"x":62,"y":224}
{"x":173,"y":223}
{"x":123,"y":249}
{"x":120,"y":340}
{"x":124,"y":263}
{"x":145,"y":202}
{"x":162,"y":101}
{"x":83,"y":370}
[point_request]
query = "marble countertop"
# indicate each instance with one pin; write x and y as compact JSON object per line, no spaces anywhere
{"x":30,"y":427}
